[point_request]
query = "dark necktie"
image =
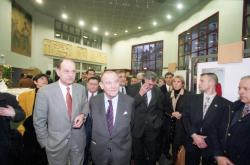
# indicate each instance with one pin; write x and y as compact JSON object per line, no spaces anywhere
{"x":245,"y":111}
{"x":92,"y":94}
{"x":123,"y":90}
{"x":145,"y":98}
{"x":69,"y":102}
{"x":110,"y":117}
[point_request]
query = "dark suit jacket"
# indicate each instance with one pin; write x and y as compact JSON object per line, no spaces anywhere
{"x":194,"y":122}
{"x":164,"y":89}
{"x":5,"y":130}
{"x":233,"y":135}
{"x":147,"y":117}
{"x":176,"y":125}
{"x":117,"y":146}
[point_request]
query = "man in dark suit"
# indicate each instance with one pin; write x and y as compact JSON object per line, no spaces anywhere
{"x":122,"y":81}
{"x":168,"y":86}
{"x":200,"y":114}
{"x":147,"y":119}
{"x":232,"y":137}
{"x":9,"y":111}
{"x":92,"y":90}
{"x":111,"y":128}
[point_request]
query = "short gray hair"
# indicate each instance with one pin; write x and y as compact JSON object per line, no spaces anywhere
{"x":245,"y":77}
{"x":149,"y":75}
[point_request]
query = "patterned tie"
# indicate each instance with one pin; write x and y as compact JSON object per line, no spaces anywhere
{"x":69,"y":102}
{"x":110,"y":117}
{"x":206,"y":105}
{"x":245,"y":111}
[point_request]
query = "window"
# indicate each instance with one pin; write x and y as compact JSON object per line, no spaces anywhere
{"x":74,"y":34}
{"x":246,"y":26}
{"x":200,"y":40}
{"x":147,"y":56}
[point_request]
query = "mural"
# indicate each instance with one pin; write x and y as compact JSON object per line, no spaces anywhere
{"x":21,"y":26}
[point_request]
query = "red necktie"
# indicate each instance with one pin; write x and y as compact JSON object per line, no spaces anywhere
{"x":69,"y":102}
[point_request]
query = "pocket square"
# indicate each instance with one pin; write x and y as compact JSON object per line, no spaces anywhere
{"x":125,"y":113}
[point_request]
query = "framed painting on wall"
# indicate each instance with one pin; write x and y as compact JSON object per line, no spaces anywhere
{"x":21,"y":28}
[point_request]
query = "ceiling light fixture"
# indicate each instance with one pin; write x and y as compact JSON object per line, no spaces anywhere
{"x":126,"y":31}
{"x":115,"y":34}
{"x":169,"y":16}
{"x":95,"y":28}
{"x":64,"y":16}
{"x":139,"y":27}
{"x":84,"y":36}
{"x":81,"y":23}
{"x":179,"y":6}
{"x":39,"y":1}
{"x":154,"y":23}
{"x":58,"y":35}
{"x":106,"y":33}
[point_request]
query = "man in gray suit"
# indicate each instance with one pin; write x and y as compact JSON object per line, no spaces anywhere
{"x":59,"y":113}
{"x":111,"y":113}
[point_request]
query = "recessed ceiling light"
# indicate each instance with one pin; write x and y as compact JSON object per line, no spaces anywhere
{"x":126,"y":31}
{"x":95,"y":28}
{"x":169,"y":16}
{"x":58,"y":35}
{"x":84,"y":36}
{"x":64,"y":16}
{"x":81,"y":23}
{"x":106,"y":33}
{"x":139,"y":27}
{"x":39,"y":1}
{"x":115,"y":34}
{"x":154,"y":23}
{"x":179,"y":6}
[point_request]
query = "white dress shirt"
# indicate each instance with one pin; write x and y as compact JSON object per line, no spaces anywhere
{"x":114,"y":103}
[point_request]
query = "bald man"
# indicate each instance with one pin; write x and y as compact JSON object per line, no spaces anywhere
{"x":59,"y":115}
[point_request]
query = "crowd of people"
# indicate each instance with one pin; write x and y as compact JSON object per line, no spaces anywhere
{"x":116,"y":120}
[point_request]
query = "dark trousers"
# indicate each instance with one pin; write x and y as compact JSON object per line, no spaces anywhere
{"x":145,"y":149}
{"x":4,"y":155}
{"x":88,"y":131}
{"x":194,"y":158}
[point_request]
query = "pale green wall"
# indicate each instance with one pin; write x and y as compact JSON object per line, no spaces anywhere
{"x":42,"y":27}
{"x":230,"y":30}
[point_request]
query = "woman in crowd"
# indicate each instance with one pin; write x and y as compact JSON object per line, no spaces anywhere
{"x":33,"y":154}
{"x":175,"y":101}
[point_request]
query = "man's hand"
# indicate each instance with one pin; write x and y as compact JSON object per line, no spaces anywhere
{"x":8,"y":112}
{"x":222,"y":160}
{"x":177,"y":115}
{"x":199,"y":140}
{"x":144,"y":89}
{"x":79,"y":120}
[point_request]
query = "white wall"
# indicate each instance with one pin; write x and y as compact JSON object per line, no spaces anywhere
{"x":230,"y":30}
{"x":229,"y":85}
{"x":42,"y":27}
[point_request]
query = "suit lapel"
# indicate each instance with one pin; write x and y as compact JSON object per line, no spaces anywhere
{"x":102,"y":113}
{"x":119,"y":114}
{"x":74,"y":101}
{"x":213,"y":106}
{"x":153,"y":97}
{"x":61,"y":101}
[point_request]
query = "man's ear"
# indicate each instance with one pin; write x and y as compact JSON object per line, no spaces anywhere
{"x":101,"y":85}
{"x":57,"y":72}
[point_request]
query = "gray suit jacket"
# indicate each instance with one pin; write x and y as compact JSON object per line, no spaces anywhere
{"x":116,"y":147}
{"x":52,"y":124}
